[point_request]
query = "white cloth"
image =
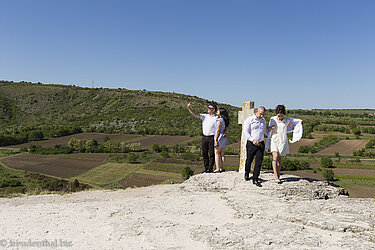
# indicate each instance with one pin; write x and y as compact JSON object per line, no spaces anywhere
{"x":208,"y":124}
{"x":297,"y":132}
{"x":254,"y":128}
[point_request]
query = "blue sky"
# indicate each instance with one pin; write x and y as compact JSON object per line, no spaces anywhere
{"x":300,"y":53}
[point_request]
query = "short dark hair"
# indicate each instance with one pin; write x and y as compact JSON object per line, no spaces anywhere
{"x":262,"y":107}
{"x":214,"y":106}
{"x":280,"y":109}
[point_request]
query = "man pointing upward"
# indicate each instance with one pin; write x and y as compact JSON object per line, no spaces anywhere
{"x":208,"y":127}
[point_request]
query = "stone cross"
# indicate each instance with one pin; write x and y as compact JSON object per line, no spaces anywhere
{"x":247,"y":110}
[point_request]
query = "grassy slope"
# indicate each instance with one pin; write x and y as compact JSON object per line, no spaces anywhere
{"x":101,"y":110}
{"x":109,"y":172}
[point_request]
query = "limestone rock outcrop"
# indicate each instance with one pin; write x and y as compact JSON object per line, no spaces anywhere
{"x":208,"y":211}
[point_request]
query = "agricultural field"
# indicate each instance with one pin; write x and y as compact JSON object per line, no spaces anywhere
{"x":50,"y":115}
{"x":17,"y":182}
{"x":55,"y":165}
{"x":320,"y":135}
{"x":344,"y":147}
{"x":145,"y":141}
{"x":109,"y":170}
{"x":108,"y":173}
{"x":358,"y":178}
{"x":293,"y":148}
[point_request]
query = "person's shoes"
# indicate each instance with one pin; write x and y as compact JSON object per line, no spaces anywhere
{"x":204,"y":171}
{"x":256,"y":183}
{"x":222,"y":170}
{"x":247,"y":178}
{"x":217,"y":171}
{"x":209,"y":171}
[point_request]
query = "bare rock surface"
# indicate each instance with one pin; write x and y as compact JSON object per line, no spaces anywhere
{"x":209,"y":211}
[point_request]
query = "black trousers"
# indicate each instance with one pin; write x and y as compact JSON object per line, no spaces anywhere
{"x":258,"y":152}
{"x":208,"y":152}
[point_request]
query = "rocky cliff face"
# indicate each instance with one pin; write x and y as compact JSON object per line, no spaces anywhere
{"x":209,"y":211}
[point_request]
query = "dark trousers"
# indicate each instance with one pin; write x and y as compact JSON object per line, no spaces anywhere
{"x":208,"y":152}
{"x":258,"y":152}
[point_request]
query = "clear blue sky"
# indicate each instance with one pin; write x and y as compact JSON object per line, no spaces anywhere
{"x":301,"y":53}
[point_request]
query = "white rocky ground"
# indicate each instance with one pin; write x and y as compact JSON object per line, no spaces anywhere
{"x":209,"y":211}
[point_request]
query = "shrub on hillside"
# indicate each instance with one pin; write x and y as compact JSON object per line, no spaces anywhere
{"x":352,"y":125}
{"x":187,"y":172}
{"x":287,"y":164}
{"x":370,"y":144}
{"x":356,"y":131}
{"x":303,"y":149}
{"x":360,"y":152}
{"x":156,"y":148}
{"x":328,"y":174}
{"x":10,"y":183}
{"x":326,"y":162}
{"x":232,"y":151}
{"x":188,"y":156}
{"x":36,"y":135}
{"x":178,"y":149}
{"x":267,"y":163}
{"x":294,"y":164}
{"x":75,"y":184}
{"x":164,"y":153}
{"x":164,"y":147}
{"x":132,"y":158}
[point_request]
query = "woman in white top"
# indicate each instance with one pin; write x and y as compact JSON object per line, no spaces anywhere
{"x":221,"y":139}
{"x":279,"y":139}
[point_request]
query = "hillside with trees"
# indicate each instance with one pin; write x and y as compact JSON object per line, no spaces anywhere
{"x":35,"y":111}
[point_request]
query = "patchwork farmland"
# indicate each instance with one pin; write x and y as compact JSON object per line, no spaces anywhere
{"x":99,"y":171}
{"x":145,"y":141}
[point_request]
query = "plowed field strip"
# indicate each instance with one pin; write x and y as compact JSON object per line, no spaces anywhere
{"x":55,"y":165}
{"x":344,"y":147}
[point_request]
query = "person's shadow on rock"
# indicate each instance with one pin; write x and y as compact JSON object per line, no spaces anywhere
{"x":294,"y":179}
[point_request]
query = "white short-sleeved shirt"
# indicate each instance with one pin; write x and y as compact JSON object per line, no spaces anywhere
{"x":208,"y":124}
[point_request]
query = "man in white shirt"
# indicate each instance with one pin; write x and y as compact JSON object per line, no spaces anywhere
{"x":208,"y":127}
{"x":254,"y":129}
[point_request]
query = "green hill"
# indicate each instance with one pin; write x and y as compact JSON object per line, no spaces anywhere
{"x":56,"y":110}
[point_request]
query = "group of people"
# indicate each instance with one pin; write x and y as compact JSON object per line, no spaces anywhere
{"x":214,"y":139}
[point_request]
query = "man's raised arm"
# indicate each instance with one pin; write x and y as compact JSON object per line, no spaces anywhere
{"x":191,"y":111}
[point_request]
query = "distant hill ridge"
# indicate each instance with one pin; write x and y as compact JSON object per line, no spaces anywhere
{"x":25,"y":104}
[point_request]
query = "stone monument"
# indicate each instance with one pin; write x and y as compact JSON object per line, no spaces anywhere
{"x":247,"y":110}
